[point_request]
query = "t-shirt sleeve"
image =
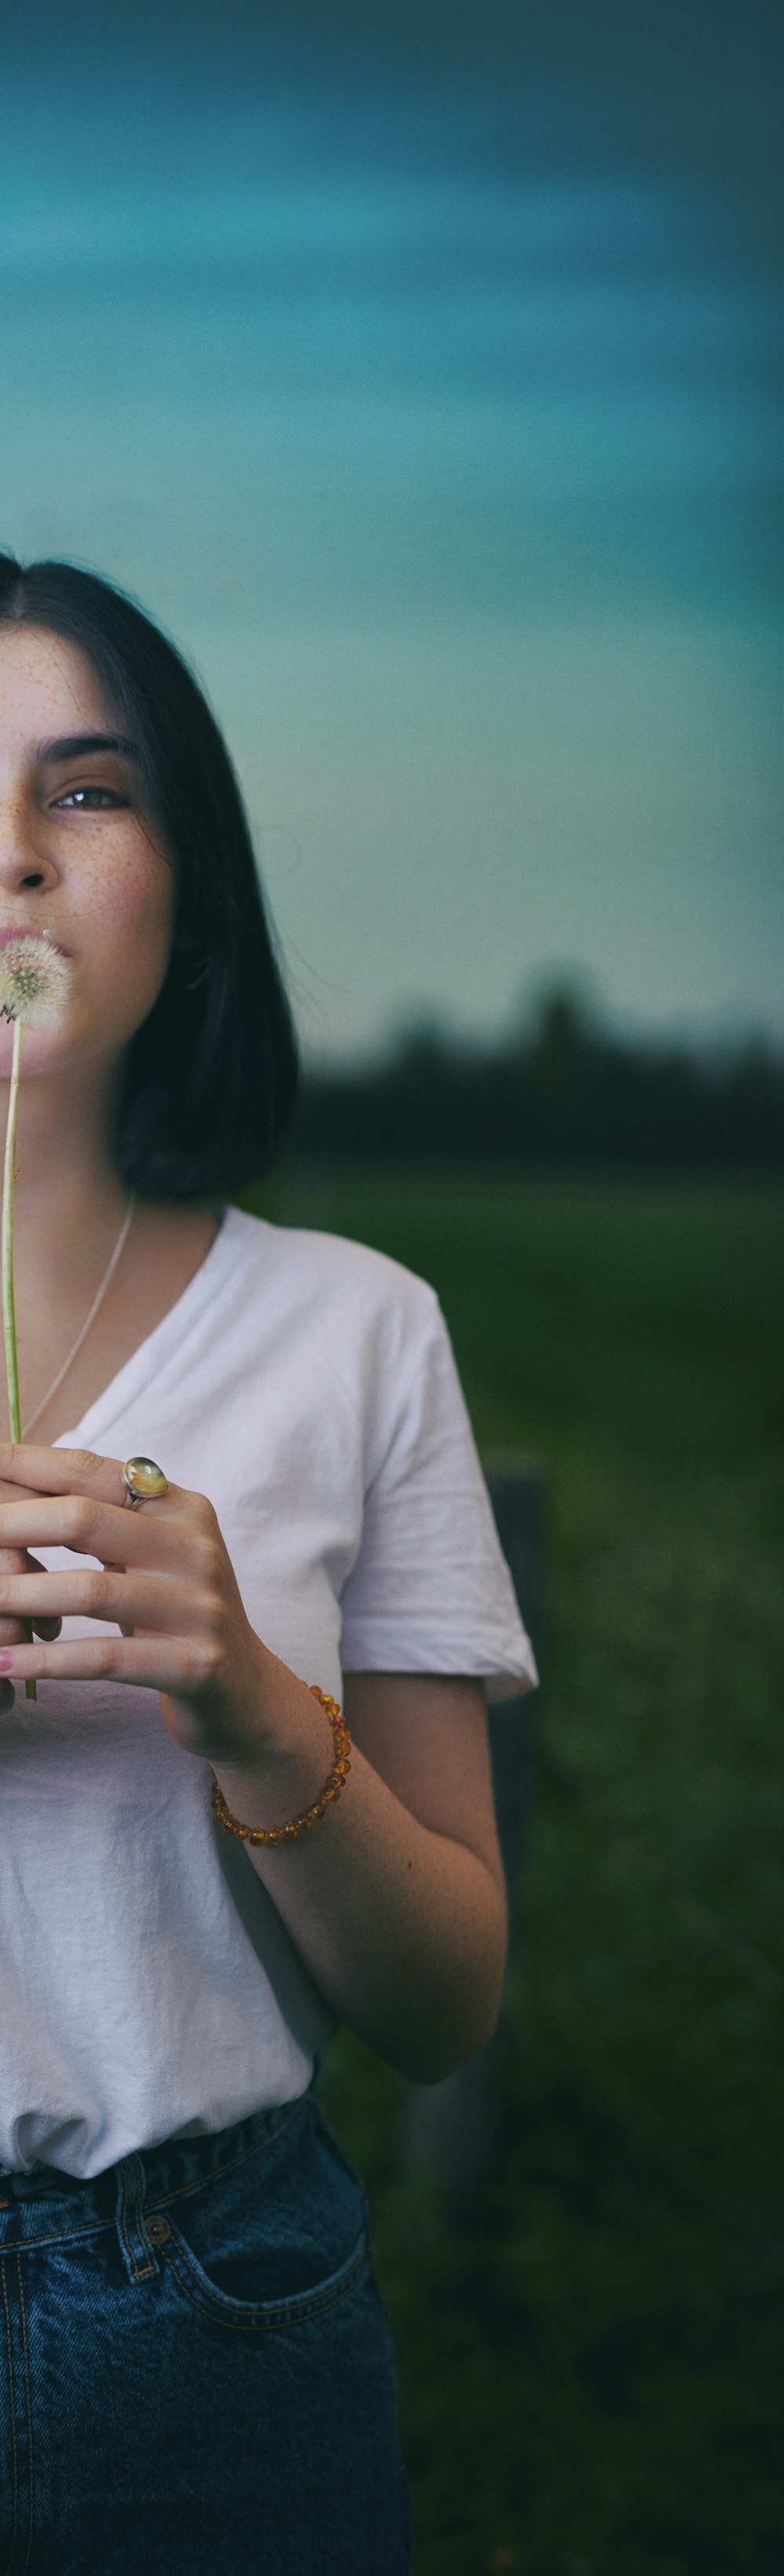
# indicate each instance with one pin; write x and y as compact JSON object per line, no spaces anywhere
{"x":429,"y":1590}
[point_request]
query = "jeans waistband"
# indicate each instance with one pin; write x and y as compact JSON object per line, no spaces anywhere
{"x":45,"y":2194}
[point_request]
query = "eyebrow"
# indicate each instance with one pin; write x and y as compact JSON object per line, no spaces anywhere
{"x":77,"y":746}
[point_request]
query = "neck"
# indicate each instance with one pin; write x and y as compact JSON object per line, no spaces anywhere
{"x":70,"y":1207}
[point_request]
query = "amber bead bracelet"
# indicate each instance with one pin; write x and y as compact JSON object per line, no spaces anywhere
{"x":310,"y":1815}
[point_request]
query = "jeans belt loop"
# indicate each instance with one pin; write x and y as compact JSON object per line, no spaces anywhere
{"x":138,"y":2255}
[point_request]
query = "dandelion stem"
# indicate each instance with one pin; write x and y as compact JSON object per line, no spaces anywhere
{"x":9,"y":1316}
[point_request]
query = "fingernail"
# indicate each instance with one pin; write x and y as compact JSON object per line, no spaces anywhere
{"x":7,"y":1663}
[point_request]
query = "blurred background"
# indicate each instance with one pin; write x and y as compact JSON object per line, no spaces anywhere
{"x":420,"y":372}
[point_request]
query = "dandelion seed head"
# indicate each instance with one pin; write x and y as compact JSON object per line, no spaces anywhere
{"x":34,"y":980}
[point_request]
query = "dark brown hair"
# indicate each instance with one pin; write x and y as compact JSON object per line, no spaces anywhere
{"x":210,"y":1079}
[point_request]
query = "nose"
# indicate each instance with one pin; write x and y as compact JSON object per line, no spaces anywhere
{"x":25,"y":864}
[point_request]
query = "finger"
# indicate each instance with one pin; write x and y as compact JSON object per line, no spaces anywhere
{"x":136,"y":1599}
{"x":12,"y":1630}
{"x":178,"y":1665}
{"x":8,"y":1493}
{"x":7,"y":1696}
{"x":15,"y":1560}
{"x":70,"y":1471}
{"x":92,"y":1528}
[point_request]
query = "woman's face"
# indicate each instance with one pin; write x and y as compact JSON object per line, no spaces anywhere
{"x":76,"y":858}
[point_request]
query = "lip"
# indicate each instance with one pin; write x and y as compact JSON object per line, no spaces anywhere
{"x":43,"y":938}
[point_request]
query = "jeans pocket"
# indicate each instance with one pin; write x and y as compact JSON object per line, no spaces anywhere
{"x":260,"y":2316}
{"x":275,"y":2239}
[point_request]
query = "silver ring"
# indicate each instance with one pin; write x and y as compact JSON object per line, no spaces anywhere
{"x":144,"y":1482}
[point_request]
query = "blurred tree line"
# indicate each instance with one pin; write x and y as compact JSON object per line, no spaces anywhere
{"x":564,"y":1090}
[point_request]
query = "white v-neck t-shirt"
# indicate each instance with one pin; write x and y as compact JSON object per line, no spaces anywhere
{"x":148,"y":1988}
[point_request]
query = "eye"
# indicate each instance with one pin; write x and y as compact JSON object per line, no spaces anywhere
{"x":92,"y":800}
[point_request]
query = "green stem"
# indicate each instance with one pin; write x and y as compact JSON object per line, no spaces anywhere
{"x":9,"y":1175}
{"x":9,"y":1315}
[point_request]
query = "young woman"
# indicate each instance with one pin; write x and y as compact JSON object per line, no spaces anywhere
{"x":195,"y":2371}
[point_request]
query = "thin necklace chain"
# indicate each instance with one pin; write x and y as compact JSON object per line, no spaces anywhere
{"x":88,"y":1321}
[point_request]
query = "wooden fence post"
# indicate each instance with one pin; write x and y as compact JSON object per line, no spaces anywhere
{"x":450,"y":2127}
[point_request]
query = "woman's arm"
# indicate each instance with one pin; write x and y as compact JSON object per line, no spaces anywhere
{"x":395,"y":1900}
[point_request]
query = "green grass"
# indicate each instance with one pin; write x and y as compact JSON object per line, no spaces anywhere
{"x":591,"y":2352}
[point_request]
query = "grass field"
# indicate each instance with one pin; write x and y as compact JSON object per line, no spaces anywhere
{"x":591,"y":2353}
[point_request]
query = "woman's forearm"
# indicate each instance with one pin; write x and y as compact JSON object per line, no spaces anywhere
{"x":395,"y":1898}
{"x":402,"y":1929}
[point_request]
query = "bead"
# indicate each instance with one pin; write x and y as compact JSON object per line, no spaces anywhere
{"x":257,"y":1834}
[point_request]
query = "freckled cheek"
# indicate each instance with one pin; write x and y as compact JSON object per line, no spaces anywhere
{"x":129,"y":921}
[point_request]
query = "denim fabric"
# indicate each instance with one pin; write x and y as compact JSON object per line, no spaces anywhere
{"x":196,"y":2374}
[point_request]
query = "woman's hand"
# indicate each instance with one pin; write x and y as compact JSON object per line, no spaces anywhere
{"x":15,"y":1560}
{"x":166,"y":1583}
{"x":395,"y":1902}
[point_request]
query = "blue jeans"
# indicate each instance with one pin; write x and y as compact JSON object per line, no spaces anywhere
{"x":196,"y":2374}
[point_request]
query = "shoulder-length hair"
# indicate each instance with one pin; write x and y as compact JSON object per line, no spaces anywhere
{"x":209,"y":1080}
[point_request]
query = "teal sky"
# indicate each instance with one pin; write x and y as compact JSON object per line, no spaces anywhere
{"x":446,"y":443}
